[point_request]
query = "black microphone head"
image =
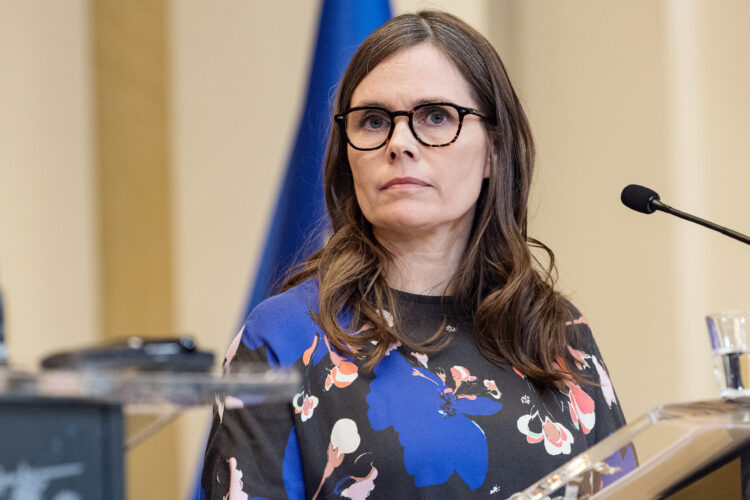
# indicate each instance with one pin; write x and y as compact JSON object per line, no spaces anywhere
{"x":639,"y":198}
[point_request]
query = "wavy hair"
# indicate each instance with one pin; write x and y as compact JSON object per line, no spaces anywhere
{"x":518,"y":317}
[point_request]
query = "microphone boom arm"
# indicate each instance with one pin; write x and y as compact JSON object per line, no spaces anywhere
{"x":658,"y":205}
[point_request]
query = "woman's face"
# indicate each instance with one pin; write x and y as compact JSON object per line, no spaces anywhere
{"x":406,"y":188}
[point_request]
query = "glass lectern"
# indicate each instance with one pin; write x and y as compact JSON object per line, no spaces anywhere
{"x":675,"y":445}
{"x":62,"y":433}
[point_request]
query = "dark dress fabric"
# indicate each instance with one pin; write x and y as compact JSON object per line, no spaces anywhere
{"x":448,"y":425}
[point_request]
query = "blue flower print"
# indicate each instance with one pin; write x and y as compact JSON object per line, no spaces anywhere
{"x":432,"y":422}
{"x":269,"y":324}
{"x":624,"y":460}
{"x":292,"y":469}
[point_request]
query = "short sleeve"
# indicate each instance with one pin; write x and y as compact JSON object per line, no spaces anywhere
{"x":588,"y":362}
{"x":608,"y":412}
{"x":252,"y":450}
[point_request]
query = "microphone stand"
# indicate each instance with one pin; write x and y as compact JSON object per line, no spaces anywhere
{"x":656,"y":204}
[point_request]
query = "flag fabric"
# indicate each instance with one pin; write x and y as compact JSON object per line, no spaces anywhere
{"x":297,"y":227}
{"x":298,"y":224}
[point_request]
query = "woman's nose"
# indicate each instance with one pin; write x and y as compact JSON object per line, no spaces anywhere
{"x":402,"y":142}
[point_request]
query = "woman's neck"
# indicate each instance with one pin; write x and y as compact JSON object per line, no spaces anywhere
{"x":423,"y":264}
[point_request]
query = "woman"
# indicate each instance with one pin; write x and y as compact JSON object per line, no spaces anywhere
{"x":437,"y":360}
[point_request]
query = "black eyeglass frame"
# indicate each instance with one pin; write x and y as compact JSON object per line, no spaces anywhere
{"x":462,"y":112}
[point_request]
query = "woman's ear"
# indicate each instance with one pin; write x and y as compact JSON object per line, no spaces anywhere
{"x":491,"y":160}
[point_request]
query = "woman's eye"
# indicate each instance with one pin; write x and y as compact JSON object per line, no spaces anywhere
{"x":434,"y":116}
{"x":373,"y":122}
{"x":437,"y":117}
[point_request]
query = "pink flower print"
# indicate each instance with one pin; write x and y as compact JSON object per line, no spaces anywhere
{"x":343,"y":372}
{"x":439,"y":372}
{"x":229,"y":403}
{"x":235,"y":482}
{"x":307,"y":355}
{"x":232,"y":403}
{"x":581,"y":408}
{"x":492,"y":388}
{"x":607,"y":389}
{"x":523,"y":426}
{"x":232,"y":350}
{"x":342,"y":375}
{"x":304,"y":404}
{"x":461,"y":375}
{"x":557,"y":439}
{"x":580,"y":358}
{"x":365,"y":327}
{"x":392,"y":347}
{"x":580,"y":321}
{"x":336,"y":358}
{"x":362,"y":487}
{"x":344,"y":439}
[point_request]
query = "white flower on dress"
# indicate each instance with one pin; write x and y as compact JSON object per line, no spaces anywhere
{"x":388,"y":317}
{"x":607,"y":390}
{"x":392,"y":347}
{"x":557,"y":439}
{"x":344,"y":439}
{"x":344,"y":436}
{"x":492,"y":388}
{"x":304,"y":405}
{"x":422,"y":358}
{"x":235,"y":482}
{"x":362,"y":487}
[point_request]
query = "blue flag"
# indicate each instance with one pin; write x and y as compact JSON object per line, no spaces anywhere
{"x":297,"y":226}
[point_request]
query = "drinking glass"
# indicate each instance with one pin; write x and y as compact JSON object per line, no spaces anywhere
{"x":730,"y":335}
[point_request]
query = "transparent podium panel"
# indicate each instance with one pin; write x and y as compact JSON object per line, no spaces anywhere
{"x":64,"y":433}
{"x":654,"y":455}
{"x":150,"y":400}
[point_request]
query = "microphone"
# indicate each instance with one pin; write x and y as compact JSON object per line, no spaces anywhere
{"x":645,"y":200}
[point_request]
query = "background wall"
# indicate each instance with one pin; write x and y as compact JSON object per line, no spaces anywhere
{"x":617,"y":92}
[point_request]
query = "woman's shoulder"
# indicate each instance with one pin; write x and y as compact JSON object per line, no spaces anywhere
{"x":292,"y":304}
{"x":283,"y":324}
{"x":578,"y":328}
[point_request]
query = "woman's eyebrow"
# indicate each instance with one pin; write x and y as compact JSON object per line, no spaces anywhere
{"x":368,"y":103}
{"x":415,"y":103}
{"x":428,"y":100}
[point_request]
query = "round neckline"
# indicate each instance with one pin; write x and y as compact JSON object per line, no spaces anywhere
{"x":423,"y":299}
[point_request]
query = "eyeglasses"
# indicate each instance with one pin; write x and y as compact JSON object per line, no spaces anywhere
{"x":434,"y":124}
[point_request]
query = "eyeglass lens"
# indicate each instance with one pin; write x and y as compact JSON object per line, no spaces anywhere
{"x":434,"y":124}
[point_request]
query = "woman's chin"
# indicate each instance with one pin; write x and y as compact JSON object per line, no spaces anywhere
{"x":408,"y":226}
{"x":412,"y":224}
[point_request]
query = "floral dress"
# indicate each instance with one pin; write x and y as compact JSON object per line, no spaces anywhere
{"x":448,"y":425}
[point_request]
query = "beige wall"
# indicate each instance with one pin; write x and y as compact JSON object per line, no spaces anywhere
{"x":617,"y":92}
{"x":651,"y":93}
{"x":48,"y":225}
{"x":236,"y":102}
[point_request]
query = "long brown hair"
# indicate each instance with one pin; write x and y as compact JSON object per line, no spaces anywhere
{"x":518,"y":316}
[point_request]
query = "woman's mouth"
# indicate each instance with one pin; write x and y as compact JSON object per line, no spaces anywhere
{"x":404,"y":182}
